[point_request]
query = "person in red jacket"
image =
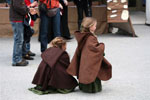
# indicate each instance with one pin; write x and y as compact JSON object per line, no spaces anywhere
{"x":45,"y":20}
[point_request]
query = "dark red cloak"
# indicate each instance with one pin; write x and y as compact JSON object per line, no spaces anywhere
{"x":52,"y":70}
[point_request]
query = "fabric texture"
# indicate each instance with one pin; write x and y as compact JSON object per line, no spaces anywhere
{"x":52,"y":70}
{"x":64,"y":21}
{"x":18,"y":10}
{"x":18,"y":30}
{"x":92,"y":87}
{"x":54,"y":3}
{"x":89,"y":63}
{"x":44,"y":28}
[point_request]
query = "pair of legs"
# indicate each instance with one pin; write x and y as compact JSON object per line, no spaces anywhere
{"x":86,"y":8}
{"x":28,"y":32}
{"x":18,"y":30}
{"x":44,"y":28}
{"x":64,"y":22}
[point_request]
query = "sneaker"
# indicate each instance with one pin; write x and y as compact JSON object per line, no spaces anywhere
{"x":31,"y":53}
{"x":22,"y":63}
{"x":28,"y":57}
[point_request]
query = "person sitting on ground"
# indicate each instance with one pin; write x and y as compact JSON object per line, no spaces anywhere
{"x":51,"y":76}
{"x":89,"y":63}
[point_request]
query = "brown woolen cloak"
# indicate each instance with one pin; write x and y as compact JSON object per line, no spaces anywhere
{"x":88,"y":61}
{"x":52,"y":70}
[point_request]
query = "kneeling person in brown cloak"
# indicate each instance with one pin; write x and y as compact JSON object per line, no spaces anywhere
{"x":89,"y":63}
{"x":51,"y":75}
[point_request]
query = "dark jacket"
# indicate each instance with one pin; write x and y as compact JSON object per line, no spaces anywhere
{"x":88,"y":62}
{"x":18,"y":10}
{"x":52,"y":70}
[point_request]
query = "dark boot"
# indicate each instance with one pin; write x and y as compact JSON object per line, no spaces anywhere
{"x":27,"y":57}
{"x":31,"y":53}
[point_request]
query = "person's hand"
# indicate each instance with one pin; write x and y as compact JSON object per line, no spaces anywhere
{"x":32,"y":11}
{"x":60,"y":13}
{"x":34,"y":4}
{"x":66,"y":2}
{"x":60,"y":6}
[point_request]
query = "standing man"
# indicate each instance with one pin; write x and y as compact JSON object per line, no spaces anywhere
{"x":83,"y":6}
{"x":147,"y":12}
{"x":17,"y":12}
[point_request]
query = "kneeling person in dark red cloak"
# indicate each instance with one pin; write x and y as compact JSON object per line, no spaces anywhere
{"x":51,"y":76}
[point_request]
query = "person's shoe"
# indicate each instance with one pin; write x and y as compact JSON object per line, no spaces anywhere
{"x":31,"y":53}
{"x":27,"y":57}
{"x":22,"y":63}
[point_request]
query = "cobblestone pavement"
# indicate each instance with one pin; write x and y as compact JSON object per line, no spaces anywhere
{"x":130,"y":58}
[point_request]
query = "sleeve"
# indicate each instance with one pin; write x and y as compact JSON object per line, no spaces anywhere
{"x":20,"y":7}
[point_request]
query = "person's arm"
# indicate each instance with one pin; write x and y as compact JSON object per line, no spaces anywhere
{"x":65,"y":2}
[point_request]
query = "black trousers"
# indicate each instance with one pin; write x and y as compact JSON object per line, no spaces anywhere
{"x":28,"y":32}
{"x":64,"y":21}
{"x":81,"y":9}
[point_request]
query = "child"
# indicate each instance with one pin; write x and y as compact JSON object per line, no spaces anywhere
{"x":88,"y":63}
{"x":51,"y":76}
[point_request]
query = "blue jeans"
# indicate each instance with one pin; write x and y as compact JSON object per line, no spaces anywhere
{"x":25,"y":48}
{"x":44,"y":23}
{"x":28,"y":47}
{"x":18,"y":30}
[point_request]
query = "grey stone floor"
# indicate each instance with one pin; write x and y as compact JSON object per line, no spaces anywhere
{"x":130,"y":58}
